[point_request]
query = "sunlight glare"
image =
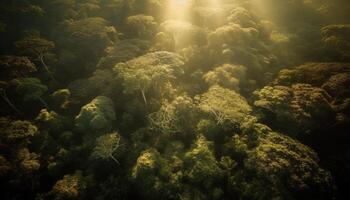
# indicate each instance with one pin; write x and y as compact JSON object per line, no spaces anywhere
{"x":181,"y":2}
{"x":178,"y":9}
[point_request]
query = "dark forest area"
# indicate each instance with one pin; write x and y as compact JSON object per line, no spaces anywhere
{"x":174,"y":99}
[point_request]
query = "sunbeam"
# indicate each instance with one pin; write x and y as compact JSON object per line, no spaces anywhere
{"x":174,"y":99}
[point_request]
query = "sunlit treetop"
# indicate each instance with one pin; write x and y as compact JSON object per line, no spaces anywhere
{"x":225,"y":105}
{"x":182,"y":33}
{"x":150,"y":72}
{"x":227,"y":76}
{"x":16,"y":131}
{"x":97,"y":115}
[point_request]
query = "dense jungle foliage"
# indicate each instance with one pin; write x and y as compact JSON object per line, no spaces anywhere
{"x":174,"y":99}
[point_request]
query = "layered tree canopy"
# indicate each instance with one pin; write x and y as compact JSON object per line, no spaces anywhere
{"x":174,"y":99}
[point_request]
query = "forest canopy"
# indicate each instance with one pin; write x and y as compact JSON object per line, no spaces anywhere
{"x":174,"y":99}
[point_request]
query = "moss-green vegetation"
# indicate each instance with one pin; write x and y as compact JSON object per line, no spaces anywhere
{"x":174,"y":99}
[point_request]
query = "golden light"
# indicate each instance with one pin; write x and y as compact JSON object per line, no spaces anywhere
{"x":178,"y":9}
{"x":181,"y":2}
{"x":181,"y":9}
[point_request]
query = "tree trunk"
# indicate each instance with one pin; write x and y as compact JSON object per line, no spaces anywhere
{"x":41,"y":57}
{"x":115,"y":160}
{"x":144,"y":96}
{"x":7,"y":100}
{"x":43,"y":102}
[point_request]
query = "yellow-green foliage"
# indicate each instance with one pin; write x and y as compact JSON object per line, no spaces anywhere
{"x":311,"y":73}
{"x":227,"y":76}
{"x":178,"y":116}
{"x":201,"y":166}
{"x":95,"y":28}
{"x":62,"y":98}
{"x":181,"y":34}
{"x":155,"y":71}
{"x":143,"y":25}
{"x":97,"y":115}
{"x":154,"y":99}
{"x":338,"y":85}
{"x":71,"y":186}
{"x":106,"y":146}
{"x":279,"y":160}
{"x":16,"y":131}
{"x":123,"y":51}
{"x":29,"y":88}
{"x":302,"y":105}
{"x":28,"y":161}
{"x":146,"y":163}
{"x":225,"y":105}
{"x":275,"y":167}
{"x":337,"y":36}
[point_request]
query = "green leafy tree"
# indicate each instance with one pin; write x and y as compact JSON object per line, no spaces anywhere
{"x":61,"y":9}
{"x":178,"y":117}
{"x":227,"y":76}
{"x":52,"y":121}
{"x":12,"y":67}
{"x":337,"y":85}
{"x":80,"y":90}
{"x":88,"y":8}
{"x":30,"y":89}
{"x":15,"y":67}
{"x":229,"y":44}
{"x":273,"y":166}
{"x":144,"y":172}
{"x":106,"y":147}
{"x":314,"y":74}
{"x":97,"y":115}
{"x":337,"y":36}
{"x":301,"y":106}
{"x":278,"y":156}
{"x":149,"y":7}
{"x":103,"y":82}
{"x":123,"y":51}
{"x":181,"y":34}
{"x":37,"y":47}
{"x":62,"y":98}
{"x":91,"y":34}
{"x":143,"y":25}
{"x":201,"y":166}
{"x":16,"y":130}
{"x":71,"y":186}
{"x":3,"y":93}
{"x":225,"y":106}
{"x":28,"y":162}
{"x":152,"y":72}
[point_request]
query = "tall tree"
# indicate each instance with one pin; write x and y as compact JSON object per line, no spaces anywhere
{"x":151,"y":72}
{"x":106,"y":146}
{"x":143,"y":25}
{"x":37,"y":47}
{"x":30,"y":89}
